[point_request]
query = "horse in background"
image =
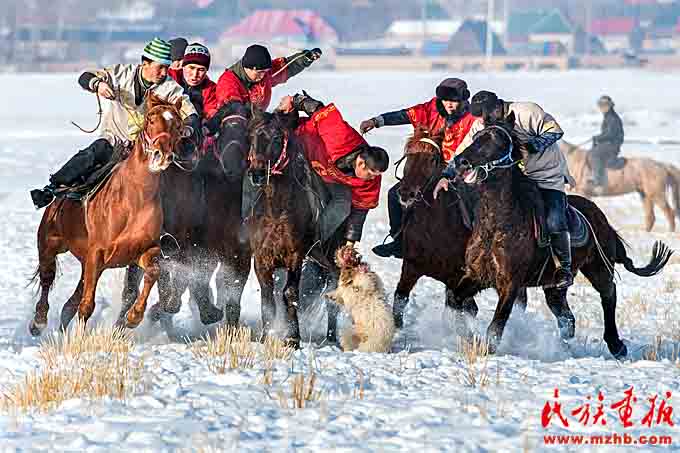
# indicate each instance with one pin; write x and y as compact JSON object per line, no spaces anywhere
{"x":649,"y":178}
{"x":117,"y":226}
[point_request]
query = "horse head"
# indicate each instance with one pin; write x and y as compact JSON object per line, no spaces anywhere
{"x":495,"y":147}
{"x":423,"y":165}
{"x":268,"y":134}
{"x":161,"y":132}
{"x":232,"y":143}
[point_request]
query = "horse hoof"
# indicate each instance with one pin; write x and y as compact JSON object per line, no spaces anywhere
{"x":211,"y":314}
{"x":155,"y":313}
{"x":293,"y":343}
{"x":620,"y":353}
{"x":399,"y":320}
{"x":133,"y":321}
{"x":36,"y":329}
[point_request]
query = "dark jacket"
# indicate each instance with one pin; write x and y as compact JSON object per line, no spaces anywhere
{"x":612,"y":130}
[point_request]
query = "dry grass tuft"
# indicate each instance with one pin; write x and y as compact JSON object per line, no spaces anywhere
{"x":671,"y":285}
{"x":92,"y":364}
{"x":231,"y":348}
{"x":475,"y":354}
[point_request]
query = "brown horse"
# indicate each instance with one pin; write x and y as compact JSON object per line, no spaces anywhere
{"x":434,"y":233}
{"x":649,"y":178}
{"x":120,"y":225}
{"x":201,"y":207}
{"x":281,"y":227}
{"x":503,"y":251}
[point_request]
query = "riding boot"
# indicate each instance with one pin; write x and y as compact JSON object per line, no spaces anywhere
{"x":561,"y":249}
{"x":304,"y":102}
{"x":395,"y":210}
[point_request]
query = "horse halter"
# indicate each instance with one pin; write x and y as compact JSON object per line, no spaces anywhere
{"x":434,"y":176}
{"x":280,"y":164}
{"x":504,"y":162}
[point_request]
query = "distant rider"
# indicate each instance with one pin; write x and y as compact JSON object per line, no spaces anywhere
{"x":607,"y":145}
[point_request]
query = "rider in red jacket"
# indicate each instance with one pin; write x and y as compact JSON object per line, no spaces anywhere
{"x":340,"y":155}
{"x":447,"y":114}
{"x":252,"y":78}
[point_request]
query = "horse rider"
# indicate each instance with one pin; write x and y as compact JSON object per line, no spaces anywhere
{"x":607,"y":145}
{"x":251,"y":79}
{"x":177,"y":48}
{"x":193,"y":77}
{"x":126,"y":86}
{"x":339,"y":155}
{"x":543,"y":163}
{"x":447,"y":113}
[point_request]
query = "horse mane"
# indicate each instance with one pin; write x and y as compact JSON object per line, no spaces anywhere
{"x":414,"y":143}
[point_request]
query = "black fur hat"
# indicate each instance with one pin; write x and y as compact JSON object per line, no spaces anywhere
{"x":453,"y":90}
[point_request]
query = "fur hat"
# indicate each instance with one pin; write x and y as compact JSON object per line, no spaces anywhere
{"x":177,"y":48}
{"x":453,"y":89}
{"x":483,"y":102}
{"x":197,"y":54}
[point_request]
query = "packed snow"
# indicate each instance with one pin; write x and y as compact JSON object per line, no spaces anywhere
{"x":418,"y":398}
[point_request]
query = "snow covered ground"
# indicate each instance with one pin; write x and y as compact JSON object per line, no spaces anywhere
{"x":418,"y":398}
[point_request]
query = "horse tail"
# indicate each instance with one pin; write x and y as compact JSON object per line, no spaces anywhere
{"x":661,"y":254}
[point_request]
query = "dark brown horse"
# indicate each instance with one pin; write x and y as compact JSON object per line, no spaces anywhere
{"x":280,"y":226}
{"x":502,"y":252}
{"x":202,"y":205}
{"x":434,"y":233}
{"x":120,"y":225}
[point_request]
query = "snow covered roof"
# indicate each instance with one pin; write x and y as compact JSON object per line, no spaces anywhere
{"x":277,"y":23}
{"x":415,"y":27}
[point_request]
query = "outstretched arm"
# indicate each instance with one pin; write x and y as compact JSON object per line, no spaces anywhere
{"x":285,"y":68}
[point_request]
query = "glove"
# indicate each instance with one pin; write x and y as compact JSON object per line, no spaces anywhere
{"x":305,"y":103}
{"x":313,"y":55}
{"x":367,"y":125}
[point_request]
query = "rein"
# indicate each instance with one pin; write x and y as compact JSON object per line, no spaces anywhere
{"x":281,"y":163}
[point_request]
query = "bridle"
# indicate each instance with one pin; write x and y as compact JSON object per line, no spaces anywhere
{"x":281,"y":163}
{"x":434,"y":176}
{"x":149,"y":143}
{"x":504,"y":162}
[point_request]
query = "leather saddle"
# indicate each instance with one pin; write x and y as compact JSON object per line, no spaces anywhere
{"x":578,"y":229}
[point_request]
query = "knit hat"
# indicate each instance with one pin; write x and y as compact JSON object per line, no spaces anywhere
{"x":197,"y":54}
{"x":178,"y":47}
{"x":606,"y":100}
{"x":453,"y":90}
{"x":158,"y":51}
{"x":257,"y":57}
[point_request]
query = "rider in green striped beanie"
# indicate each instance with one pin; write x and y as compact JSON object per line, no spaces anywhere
{"x":159,"y":51}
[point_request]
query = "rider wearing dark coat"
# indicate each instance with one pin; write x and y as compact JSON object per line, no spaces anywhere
{"x":607,"y":145}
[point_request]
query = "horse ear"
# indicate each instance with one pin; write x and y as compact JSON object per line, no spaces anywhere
{"x":178,"y":105}
{"x":152,"y":101}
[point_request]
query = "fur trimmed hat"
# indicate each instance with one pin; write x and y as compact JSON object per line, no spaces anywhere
{"x":453,"y":89}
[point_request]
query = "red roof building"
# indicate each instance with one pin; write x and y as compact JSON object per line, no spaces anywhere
{"x":271,"y":25}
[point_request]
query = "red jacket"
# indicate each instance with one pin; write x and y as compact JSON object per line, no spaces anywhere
{"x":426,"y":115}
{"x":203,"y":97}
{"x":231,"y":88}
{"x":326,"y":137}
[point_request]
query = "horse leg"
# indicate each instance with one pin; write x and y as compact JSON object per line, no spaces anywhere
{"x":133,"y":276}
{"x":70,"y":308}
{"x":265,"y":276}
{"x":291,"y":296}
{"x":171,"y":286}
{"x":557,"y":302}
{"x":648,"y":208}
{"x":506,"y":299}
{"x":92,"y":270}
{"x":408,"y":279}
{"x":47,"y":271}
{"x":234,"y":279}
{"x":602,"y":280}
{"x":199,"y":286}
{"x":149,"y":262}
{"x":667,"y":210}
{"x":522,"y":300}
{"x":466,"y":308}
